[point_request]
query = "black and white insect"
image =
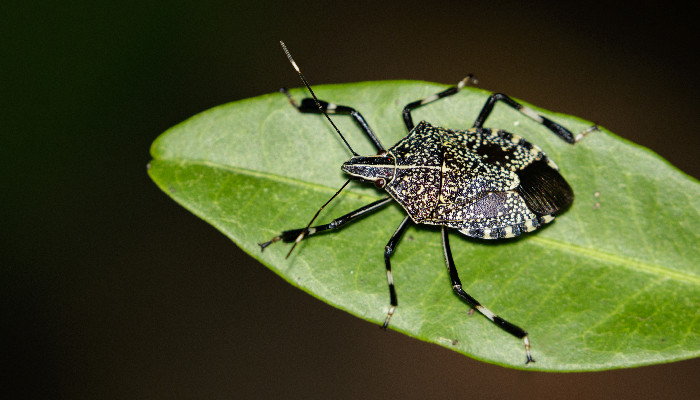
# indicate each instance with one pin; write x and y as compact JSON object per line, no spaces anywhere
{"x":485,"y":183}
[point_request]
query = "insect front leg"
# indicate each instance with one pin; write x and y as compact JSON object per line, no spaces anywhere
{"x":558,"y":130}
{"x":457,"y":287}
{"x":388,"y":251}
{"x":408,"y":120}
{"x":293,"y":235}
{"x":308,"y":105}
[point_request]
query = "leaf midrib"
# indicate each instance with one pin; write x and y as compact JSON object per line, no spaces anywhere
{"x":627,"y":262}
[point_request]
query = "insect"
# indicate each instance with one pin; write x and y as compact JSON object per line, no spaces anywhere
{"x":485,"y":183}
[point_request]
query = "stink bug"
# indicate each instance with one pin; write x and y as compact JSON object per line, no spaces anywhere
{"x":485,"y":183}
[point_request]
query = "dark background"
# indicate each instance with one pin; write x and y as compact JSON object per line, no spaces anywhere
{"x":111,"y":290}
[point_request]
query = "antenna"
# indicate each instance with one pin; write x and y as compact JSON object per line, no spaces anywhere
{"x":306,"y":230}
{"x":296,"y":67}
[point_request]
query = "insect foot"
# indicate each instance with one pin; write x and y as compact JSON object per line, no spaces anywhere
{"x":264,"y":245}
{"x":385,"y":325}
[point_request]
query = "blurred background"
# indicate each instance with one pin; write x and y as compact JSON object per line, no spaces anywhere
{"x":110,"y":290}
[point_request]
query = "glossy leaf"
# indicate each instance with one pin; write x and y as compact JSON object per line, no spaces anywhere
{"x":614,"y":282}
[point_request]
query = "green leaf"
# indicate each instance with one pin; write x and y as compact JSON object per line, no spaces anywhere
{"x":612,"y":283}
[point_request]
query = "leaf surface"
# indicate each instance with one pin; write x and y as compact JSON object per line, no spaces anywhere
{"x":614,"y":282}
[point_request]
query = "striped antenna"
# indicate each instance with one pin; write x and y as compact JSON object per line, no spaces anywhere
{"x":296,"y":67}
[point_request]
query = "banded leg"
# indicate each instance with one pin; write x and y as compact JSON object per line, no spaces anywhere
{"x":457,"y":287}
{"x":388,"y":251}
{"x":292,"y":235}
{"x":558,"y":130}
{"x":308,"y":105}
{"x":408,"y":120}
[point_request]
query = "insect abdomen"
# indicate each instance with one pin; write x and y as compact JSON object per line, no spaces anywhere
{"x":544,"y":190}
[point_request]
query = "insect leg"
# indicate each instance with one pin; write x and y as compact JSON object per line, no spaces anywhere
{"x":291,"y":235}
{"x":408,"y":120}
{"x":558,"y":130}
{"x":308,"y":105}
{"x":457,"y":287}
{"x":388,"y":250}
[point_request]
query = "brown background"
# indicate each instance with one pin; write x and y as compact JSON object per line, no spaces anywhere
{"x":112,"y":291}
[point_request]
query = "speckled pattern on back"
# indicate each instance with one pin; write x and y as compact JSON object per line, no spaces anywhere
{"x":471,"y":181}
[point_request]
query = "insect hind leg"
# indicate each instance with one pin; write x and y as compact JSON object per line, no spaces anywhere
{"x":308,"y":105}
{"x":557,"y":129}
{"x":408,"y":120}
{"x":457,"y":287}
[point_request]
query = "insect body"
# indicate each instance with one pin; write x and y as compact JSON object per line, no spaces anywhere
{"x":486,"y":183}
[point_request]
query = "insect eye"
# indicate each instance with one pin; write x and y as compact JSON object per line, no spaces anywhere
{"x":380,"y":183}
